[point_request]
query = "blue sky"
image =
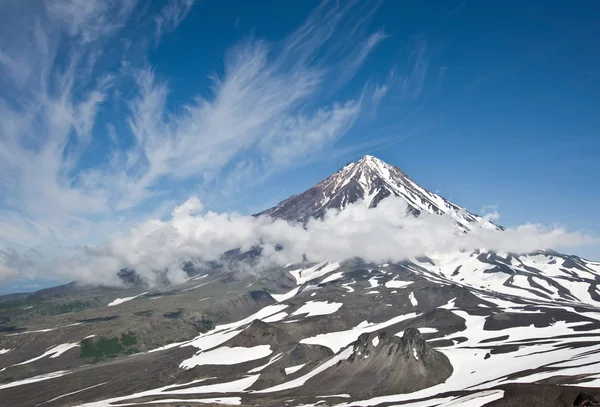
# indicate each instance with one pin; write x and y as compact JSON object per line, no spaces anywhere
{"x":113,"y":112}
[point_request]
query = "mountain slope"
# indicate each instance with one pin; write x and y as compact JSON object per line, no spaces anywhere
{"x":371,"y":180}
{"x":343,"y":338}
{"x":444,"y":329}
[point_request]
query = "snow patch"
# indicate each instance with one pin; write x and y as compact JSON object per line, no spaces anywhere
{"x":286,"y":296}
{"x":34,"y":379}
{"x":122,"y":300}
{"x":53,"y":353}
{"x":75,"y":392}
{"x":374,"y":283}
{"x":193,"y":288}
{"x":314,"y":308}
{"x":230,"y":401}
{"x":227,"y":356}
{"x":235,"y":386}
{"x":33,"y":332}
{"x":293,"y":369}
{"x":261,"y":314}
{"x":347,"y":286}
{"x":477,"y":399}
{"x":424,"y":330}
{"x":169,"y":346}
{"x":270,"y":362}
{"x":197,"y":277}
{"x":333,"y":277}
{"x":397,"y":284}
{"x":449,"y":305}
{"x":276,"y":317}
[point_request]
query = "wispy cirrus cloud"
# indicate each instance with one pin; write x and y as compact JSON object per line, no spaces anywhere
{"x":407,"y":82}
{"x":89,"y":20}
{"x":412,"y":83}
{"x":171,"y":15}
{"x":91,"y":145}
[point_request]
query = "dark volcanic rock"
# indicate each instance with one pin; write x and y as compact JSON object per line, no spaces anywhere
{"x":261,"y":296}
{"x":585,"y":399}
{"x":542,"y":395}
{"x":260,"y":333}
{"x":129,"y":277}
{"x":231,"y":309}
{"x":300,"y":354}
{"x":382,"y":363}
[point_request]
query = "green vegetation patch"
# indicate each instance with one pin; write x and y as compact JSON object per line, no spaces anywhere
{"x":128,"y":339}
{"x":102,"y":347}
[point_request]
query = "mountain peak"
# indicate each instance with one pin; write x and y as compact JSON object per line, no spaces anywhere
{"x":370,"y":159}
{"x":372,"y":162}
{"x":370,"y":180}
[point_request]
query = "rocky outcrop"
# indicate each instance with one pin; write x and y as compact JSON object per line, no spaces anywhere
{"x":382,"y":363}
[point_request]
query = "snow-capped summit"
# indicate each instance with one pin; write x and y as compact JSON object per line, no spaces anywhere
{"x":371,"y":180}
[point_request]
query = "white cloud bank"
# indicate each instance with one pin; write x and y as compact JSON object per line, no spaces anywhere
{"x":382,"y":234}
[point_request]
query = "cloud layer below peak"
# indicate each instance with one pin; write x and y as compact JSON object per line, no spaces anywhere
{"x":387,"y":233}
